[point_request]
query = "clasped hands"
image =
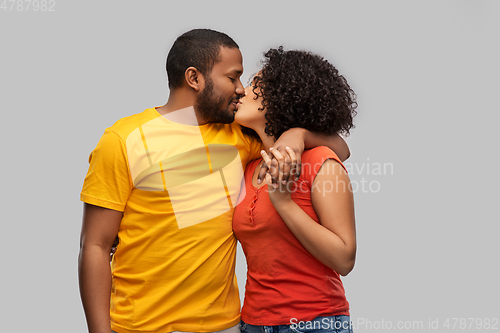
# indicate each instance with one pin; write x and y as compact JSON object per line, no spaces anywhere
{"x":283,"y":163}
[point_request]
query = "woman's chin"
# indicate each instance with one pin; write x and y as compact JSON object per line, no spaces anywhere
{"x":238,"y":120}
{"x":246,"y":119}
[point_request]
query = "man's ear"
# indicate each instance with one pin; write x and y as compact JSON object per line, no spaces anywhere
{"x":194,"y":79}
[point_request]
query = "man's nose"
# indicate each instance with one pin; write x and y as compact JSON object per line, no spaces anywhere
{"x":240,"y":90}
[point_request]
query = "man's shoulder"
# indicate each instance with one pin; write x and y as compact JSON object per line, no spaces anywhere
{"x":124,"y":126}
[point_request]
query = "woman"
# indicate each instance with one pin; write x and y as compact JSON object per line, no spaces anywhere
{"x":297,"y":238}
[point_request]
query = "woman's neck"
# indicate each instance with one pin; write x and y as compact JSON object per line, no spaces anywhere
{"x":267,"y":141}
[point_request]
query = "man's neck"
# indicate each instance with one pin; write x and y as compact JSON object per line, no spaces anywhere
{"x":180,"y":109}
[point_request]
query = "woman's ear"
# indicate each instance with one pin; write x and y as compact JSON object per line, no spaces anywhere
{"x":194,"y":79}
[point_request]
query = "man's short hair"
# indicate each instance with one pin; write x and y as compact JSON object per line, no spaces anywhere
{"x":197,"y":48}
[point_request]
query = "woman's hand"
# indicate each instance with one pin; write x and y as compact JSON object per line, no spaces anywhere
{"x":288,"y":167}
{"x":280,"y":192}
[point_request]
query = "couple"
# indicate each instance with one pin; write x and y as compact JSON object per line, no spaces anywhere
{"x":167,"y":180}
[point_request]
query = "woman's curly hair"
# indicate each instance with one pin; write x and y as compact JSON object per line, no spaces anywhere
{"x":301,"y":89}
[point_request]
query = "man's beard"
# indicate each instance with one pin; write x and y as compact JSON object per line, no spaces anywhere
{"x":213,"y":110}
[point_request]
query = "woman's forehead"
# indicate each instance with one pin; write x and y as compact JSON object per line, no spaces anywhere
{"x":254,"y":77}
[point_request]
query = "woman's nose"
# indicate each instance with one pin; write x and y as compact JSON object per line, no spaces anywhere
{"x":248,"y":89}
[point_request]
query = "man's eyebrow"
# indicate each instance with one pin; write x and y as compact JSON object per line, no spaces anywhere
{"x":235,"y":71}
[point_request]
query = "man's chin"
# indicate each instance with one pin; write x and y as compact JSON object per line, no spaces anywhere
{"x":226,"y":120}
{"x":219,"y":119}
{"x":226,"y":117}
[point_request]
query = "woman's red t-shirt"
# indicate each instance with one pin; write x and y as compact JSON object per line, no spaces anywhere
{"x":284,"y":280}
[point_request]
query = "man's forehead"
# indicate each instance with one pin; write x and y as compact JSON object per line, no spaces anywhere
{"x":230,"y":60}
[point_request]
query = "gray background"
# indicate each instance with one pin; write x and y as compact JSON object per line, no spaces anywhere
{"x":427,"y":78}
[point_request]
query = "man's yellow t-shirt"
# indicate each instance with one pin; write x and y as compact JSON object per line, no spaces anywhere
{"x":177,"y":185}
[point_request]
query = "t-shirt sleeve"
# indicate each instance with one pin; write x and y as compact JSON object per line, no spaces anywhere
{"x":313,"y":159}
{"x":107,"y":183}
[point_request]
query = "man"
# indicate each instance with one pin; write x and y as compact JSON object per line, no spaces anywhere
{"x":166,"y":182}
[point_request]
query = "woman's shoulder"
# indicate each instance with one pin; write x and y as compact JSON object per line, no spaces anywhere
{"x":313,"y":159}
{"x":319,"y":153}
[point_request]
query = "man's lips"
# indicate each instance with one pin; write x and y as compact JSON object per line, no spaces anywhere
{"x":236,"y":103}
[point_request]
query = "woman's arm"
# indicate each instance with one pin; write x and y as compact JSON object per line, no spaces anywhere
{"x":333,"y":241}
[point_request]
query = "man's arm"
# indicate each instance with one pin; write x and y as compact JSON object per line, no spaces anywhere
{"x":299,"y":139}
{"x":334,"y":142}
{"x":99,"y":229}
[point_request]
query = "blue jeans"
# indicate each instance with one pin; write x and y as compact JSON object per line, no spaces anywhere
{"x":329,"y":324}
